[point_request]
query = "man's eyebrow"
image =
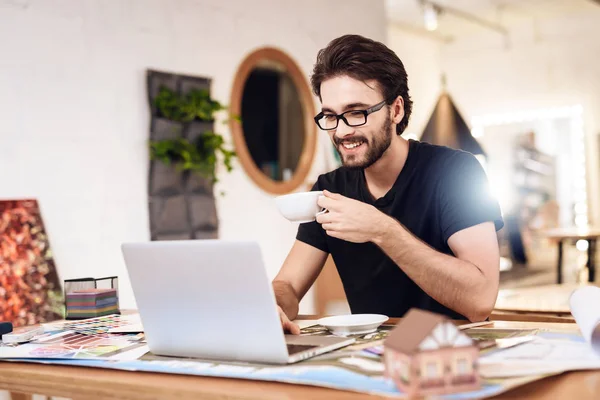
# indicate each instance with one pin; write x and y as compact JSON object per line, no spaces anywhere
{"x":346,"y":107}
{"x":355,"y":105}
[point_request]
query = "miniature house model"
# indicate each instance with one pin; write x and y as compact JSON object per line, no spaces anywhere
{"x":427,"y":354}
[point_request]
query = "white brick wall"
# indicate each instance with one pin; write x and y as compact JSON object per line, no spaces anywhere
{"x":422,"y":60}
{"x":74,"y":119}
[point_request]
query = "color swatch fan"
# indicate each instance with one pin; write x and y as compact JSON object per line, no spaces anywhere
{"x":90,"y":303}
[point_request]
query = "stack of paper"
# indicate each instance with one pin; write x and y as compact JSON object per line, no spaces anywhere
{"x":90,"y":303}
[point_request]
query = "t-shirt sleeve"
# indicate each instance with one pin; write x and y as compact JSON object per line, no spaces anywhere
{"x":465,"y":198}
{"x":312,"y":233}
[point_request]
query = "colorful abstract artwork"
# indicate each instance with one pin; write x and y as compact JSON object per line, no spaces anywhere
{"x":30,"y":290}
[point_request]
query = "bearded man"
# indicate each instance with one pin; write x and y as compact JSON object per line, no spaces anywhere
{"x":409,"y":224}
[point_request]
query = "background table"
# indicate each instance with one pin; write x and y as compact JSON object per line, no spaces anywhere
{"x":552,"y":299}
{"x":562,"y":235}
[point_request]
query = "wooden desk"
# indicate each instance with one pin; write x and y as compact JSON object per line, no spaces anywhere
{"x":93,"y":383}
{"x":562,"y":235}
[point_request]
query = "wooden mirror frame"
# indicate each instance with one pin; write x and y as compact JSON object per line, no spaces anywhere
{"x":308,"y":108}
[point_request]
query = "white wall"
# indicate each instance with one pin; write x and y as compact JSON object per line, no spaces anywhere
{"x":74,"y":118}
{"x":553,"y":65}
{"x":422,"y":60}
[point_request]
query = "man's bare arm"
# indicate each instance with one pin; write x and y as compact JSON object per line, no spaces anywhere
{"x":299,"y":271}
{"x":467,"y":283}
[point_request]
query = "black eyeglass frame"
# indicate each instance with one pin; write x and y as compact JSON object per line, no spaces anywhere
{"x":341,"y":116}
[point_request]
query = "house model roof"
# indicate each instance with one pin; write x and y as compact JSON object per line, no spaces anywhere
{"x":422,"y":330}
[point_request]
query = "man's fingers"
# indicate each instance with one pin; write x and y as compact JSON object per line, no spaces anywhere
{"x":288,"y":325}
{"x":328,"y":203}
{"x":329,"y":226}
{"x":331,"y":195}
{"x":292,"y":328}
{"x":325,"y":218}
{"x":334,"y":234}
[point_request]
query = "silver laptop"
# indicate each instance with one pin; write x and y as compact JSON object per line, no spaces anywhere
{"x":212,"y":299}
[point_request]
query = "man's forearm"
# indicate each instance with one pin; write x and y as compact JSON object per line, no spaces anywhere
{"x":456,"y":284}
{"x":286,"y":298}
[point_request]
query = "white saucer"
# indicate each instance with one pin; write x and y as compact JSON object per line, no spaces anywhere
{"x":353,"y":324}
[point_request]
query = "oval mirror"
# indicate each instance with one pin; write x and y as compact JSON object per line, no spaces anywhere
{"x":276,"y":137}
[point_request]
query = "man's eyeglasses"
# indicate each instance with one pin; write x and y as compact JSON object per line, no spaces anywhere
{"x":330,"y":121}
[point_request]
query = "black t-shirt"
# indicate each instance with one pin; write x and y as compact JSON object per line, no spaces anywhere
{"x":439,"y":192}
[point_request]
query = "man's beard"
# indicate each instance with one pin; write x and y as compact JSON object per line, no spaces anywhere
{"x":380,"y":143}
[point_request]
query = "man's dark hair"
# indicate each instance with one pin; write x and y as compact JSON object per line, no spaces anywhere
{"x":364,"y":59}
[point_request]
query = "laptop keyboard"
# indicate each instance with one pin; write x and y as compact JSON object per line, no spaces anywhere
{"x":297,"y":348}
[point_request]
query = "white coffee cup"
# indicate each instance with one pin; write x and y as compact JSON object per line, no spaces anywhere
{"x":300,"y":207}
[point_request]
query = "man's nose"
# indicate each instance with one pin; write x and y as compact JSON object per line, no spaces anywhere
{"x":343,"y":129}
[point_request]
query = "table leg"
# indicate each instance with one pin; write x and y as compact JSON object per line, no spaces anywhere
{"x":591,"y":262}
{"x":560,"y":259}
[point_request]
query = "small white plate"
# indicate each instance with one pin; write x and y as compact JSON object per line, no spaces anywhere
{"x":353,"y":324}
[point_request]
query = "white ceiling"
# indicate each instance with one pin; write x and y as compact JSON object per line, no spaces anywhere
{"x":501,"y":13}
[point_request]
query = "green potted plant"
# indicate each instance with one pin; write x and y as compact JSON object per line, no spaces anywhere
{"x":194,"y":105}
{"x":199,"y":154}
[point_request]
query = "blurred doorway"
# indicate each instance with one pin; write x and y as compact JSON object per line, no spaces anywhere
{"x":536,"y":169}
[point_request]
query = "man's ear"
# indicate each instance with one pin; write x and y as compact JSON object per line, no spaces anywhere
{"x":397,"y":108}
